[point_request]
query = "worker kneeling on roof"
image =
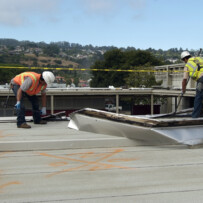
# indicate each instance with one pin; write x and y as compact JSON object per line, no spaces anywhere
{"x":29,"y":84}
{"x":194,"y":69}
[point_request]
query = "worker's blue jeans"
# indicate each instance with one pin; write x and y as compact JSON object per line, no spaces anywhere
{"x":197,"y":104}
{"x":21,"y":112}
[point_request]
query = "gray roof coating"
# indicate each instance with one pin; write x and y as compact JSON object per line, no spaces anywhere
{"x":52,"y":163}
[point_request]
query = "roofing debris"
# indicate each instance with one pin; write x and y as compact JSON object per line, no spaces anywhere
{"x":147,"y":130}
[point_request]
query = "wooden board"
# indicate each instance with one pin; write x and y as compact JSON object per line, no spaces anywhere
{"x":141,"y":121}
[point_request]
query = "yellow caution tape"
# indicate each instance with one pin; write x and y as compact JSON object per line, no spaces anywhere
{"x":84,"y":69}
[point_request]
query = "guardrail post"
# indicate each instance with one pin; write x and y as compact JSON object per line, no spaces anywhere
{"x":52,"y":104}
{"x":152,"y":104}
{"x":117,"y":103}
{"x":176,"y":102}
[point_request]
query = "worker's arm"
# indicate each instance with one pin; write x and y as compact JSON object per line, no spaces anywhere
{"x":44,"y":101}
{"x":185,"y":78}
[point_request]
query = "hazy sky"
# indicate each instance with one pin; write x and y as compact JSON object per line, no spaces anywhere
{"x":141,"y":24}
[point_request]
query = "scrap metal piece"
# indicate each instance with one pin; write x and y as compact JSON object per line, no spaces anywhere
{"x":60,"y":116}
{"x":144,"y":130}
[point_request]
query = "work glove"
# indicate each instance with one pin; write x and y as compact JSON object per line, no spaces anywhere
{"x":43,"y":111}
{"x":17,"y":106}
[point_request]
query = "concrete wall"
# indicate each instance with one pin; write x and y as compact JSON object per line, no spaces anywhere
{"x":172,"y":76}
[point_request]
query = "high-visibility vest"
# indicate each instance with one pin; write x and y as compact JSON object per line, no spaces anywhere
{"x":36,"y":86}
{"x":195,"y":67}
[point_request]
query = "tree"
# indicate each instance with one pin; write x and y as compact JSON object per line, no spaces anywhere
{"x":76,"y":81}
{"x":142,"y":79}
{"x":7,"y":74}
{"x":51,"y":50}
{"x":125,"y":60}
{"x":113,"y":60}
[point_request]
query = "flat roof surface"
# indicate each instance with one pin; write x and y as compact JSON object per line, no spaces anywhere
{"x":52,"y":163}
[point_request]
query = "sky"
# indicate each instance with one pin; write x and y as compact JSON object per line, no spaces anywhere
{"x":143,"y":24}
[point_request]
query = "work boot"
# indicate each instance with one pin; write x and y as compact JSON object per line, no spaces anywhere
{"x":24,"y":125}
{"x":41,"y":122}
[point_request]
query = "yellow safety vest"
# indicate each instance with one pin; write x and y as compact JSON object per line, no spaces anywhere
{"x":195,"y":67}
{"x":36,"y":86}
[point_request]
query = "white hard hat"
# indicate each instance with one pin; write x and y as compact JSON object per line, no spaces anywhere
{"x":48,"y":77}
{"x":184,"y":54}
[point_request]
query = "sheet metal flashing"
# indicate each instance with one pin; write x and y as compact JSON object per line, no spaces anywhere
{"x":144,"y":130}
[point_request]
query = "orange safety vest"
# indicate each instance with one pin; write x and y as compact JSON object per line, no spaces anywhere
{"x":36,"y":87}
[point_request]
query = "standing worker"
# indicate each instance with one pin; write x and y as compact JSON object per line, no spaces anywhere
{"x":29,"y":84}
{"x":194,"y":69}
